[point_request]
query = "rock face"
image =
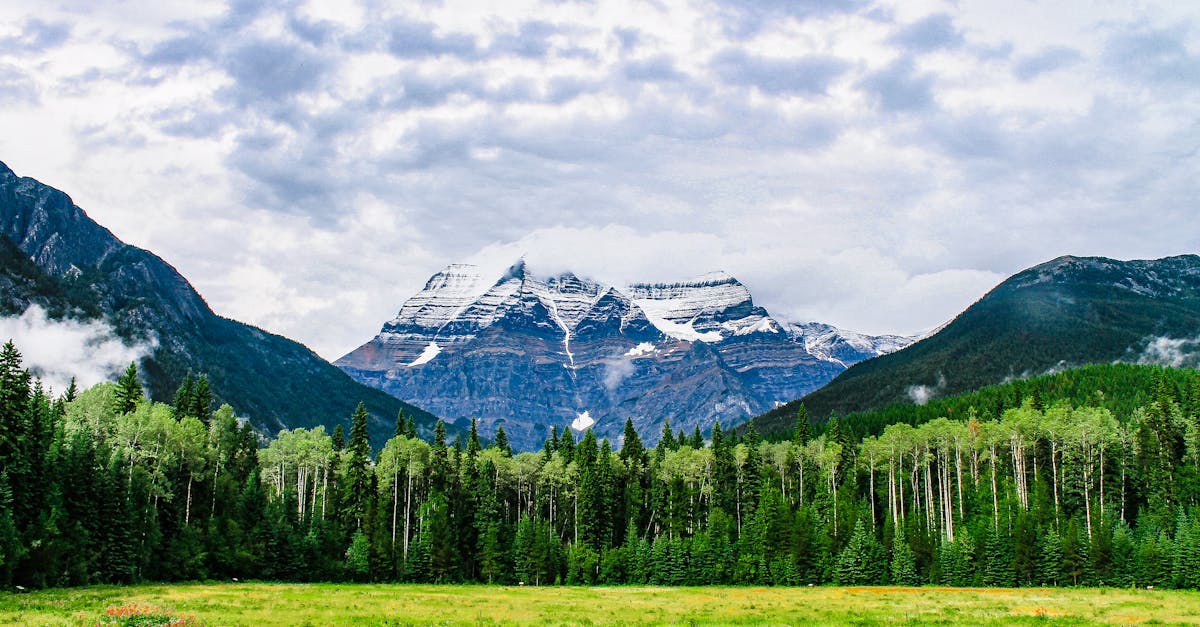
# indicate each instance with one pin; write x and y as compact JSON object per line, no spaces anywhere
{"x":53,"y":254}
{"x":528,"y":352}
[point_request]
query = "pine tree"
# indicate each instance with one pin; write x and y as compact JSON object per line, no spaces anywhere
{"x":502,"y":441}
{"x":904,"y":565}
{"x":667,"y":441}
{"x":401,"y":425}
{"x":631,"y":443}
{"x":358,"y":562}
{"x":129,"y":391}
{"x":473,"y":446}
{"x":724,"y":472}
{"x":339,"y":438}
{"x":803,"y":433}
{"x":202,"y":400}
{"x":1186,"y":562}
{"x":998,"y":561}
{"x":1050,"y":561}
{"x":72,"y":392}
{"x":861,"y":563}
{"x":1123,"y":554}
{"x":357,"y":482}
{"x":183,"y":398}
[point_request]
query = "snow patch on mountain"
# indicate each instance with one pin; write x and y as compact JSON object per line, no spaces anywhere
{"x":582,"y":421}
{"x":830,"y":343}
{"x":445,"y":296}
{"x":658,"y":311}
{"x":427,"y":355}
{"x":645,"y":349}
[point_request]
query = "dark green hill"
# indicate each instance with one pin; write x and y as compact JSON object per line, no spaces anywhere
{"x":54,"y":255}
{"x":1120,"y":388}
{"x":1071,"y":311}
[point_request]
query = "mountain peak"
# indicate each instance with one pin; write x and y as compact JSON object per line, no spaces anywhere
{"x":533,"y":350}
{"x":515,"y":271}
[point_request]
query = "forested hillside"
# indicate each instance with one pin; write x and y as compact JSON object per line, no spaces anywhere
{"x":1068,"y":312}
{"x":54,"y":255}
{"x":1054,"y":485}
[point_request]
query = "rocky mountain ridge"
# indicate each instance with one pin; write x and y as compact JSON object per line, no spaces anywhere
{"x":54,"y":255}
{"x":531,"y":352}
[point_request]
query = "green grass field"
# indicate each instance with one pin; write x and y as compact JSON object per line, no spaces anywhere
{"x":264,"y":604}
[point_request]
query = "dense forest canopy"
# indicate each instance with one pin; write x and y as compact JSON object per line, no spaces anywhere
{"x":1026,"y":484}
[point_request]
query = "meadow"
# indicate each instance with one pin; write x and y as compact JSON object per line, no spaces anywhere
{"x":266,"y":604}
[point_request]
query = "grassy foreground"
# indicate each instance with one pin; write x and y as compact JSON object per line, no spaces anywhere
{"x":263,"y":604}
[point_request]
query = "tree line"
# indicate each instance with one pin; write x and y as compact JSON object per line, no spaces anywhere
{"x":103,"y":485}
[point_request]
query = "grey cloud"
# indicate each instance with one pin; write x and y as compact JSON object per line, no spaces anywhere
{"x":1048,"y":60}
{"x":977,"y":136}
{"x":930,"y":33}
{"x":315,"y":33}
{"x":1154,"y":56}
{"x":898,"y":87}
{"x":36,"y":36}
{"x":268,"y":70}
{"x":414,"y":89}
{"x":531,"y":40}
{"x":656,"y":69}
{"x":242,"y":13}
{"x":17,"y":87}
{"x":294,"y":178}
{"x":629,"y":38}
{"x":192,"y":123}
{"x":180,"y":51}
{"x":415,"y":40}
{"x":745,"y":18}
{"x":810,"y":75}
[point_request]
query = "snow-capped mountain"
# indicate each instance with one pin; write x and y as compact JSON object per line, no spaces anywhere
{"x":529,"y":352}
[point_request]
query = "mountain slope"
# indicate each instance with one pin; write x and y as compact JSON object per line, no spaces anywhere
{"x":74,"y":265}
{"x":530,"y":352}
{"x":1067,"y":312}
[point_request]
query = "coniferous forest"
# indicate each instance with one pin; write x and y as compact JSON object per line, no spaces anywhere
{"x":1036,"y":482}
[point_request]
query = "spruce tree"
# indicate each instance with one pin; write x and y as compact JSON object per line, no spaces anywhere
{"x":202,"y":400}
{"x":861,"y":563}
{"x":631,"y":443}
{"x":803,"y":433}
{"x":1123,"y":556}
{"x":502,"y":442}
{"x":1050,"y":561}
{"x":401,"y":425}
{"x":473,"y":446}
{"x":72,"y":392}
{"x":357,"y":480}
{"x":129,"y":391}
{"x":904,"y":564}
{"x":998,"y":561}
{"x":666,"y":441}
{"x":183,"y":398}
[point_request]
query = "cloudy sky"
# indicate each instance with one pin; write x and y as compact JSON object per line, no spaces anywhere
{"x":874,"y":165}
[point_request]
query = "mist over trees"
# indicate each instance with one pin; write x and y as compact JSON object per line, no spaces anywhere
{"x":1034,"y":487}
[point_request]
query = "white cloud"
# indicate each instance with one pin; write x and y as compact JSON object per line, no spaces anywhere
{"x":309,"y":167}
{"x":616,"y":371}
{"x":922,"y":394}
{"x":57,"y":350}
{"x":1174,"y":352}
